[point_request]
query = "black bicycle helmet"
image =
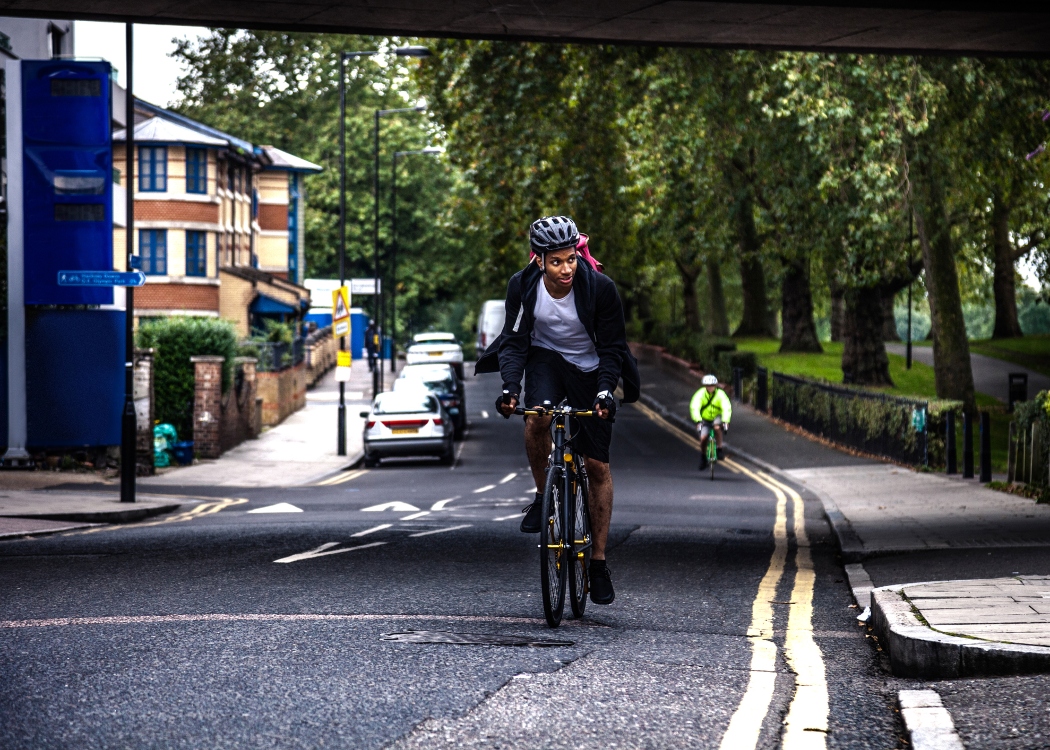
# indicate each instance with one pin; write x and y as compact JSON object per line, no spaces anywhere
{"x":552,"y":233}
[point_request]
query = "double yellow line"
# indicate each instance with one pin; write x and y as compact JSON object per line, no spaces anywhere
{"x":340,"y":478}
{"x":198,"y":511}
{"x":806,"y":725}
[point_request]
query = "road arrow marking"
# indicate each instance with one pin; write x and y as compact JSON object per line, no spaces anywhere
{"x":380,"y":527}
{"x":324,"y":549}
{"x":442,"y":531}
{"x":440,"y":504}
{"x":414,"y":516}
{"x":396,"y":507}
{"x":279,"y":508}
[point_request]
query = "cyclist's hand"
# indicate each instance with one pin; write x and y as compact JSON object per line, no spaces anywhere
{"x":507,"y":403}
{"x":725,"y":428}
{"x":605,"y":405}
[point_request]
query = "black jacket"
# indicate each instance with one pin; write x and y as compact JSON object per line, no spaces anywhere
{"x":601,"y":312}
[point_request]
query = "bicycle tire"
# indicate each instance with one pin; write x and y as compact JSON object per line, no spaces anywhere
{"x":553,"y":570}
{"x":579,"y":585}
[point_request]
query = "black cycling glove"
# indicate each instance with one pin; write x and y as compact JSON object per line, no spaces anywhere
{"x":510,"y":390}
{"x":606,"y":401}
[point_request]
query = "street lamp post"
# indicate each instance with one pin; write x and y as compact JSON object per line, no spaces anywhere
{"x":393,"y":243}
{"x":413,"y":51}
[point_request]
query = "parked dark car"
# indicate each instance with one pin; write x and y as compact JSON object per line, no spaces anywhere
{"x":443,"y":381}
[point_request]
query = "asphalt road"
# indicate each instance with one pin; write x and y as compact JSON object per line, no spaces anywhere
{"x":187,"y":632}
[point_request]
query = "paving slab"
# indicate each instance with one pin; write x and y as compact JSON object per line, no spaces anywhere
{"x":87,"y":506}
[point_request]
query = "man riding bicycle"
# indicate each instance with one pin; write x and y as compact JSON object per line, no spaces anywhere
{"x":711,"y":411}
{"x":565,"y":333}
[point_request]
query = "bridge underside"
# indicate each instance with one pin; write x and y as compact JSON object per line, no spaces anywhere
{"x":1012,"y":28}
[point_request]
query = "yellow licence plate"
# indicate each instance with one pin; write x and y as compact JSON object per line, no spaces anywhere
{"x":437,"y":354}
{"x":405,"y":431}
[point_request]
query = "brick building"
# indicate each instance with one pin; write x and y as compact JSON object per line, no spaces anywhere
{"x":219,"y":222}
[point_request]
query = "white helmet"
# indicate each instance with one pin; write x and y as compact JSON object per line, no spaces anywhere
{"x":710,"y":380}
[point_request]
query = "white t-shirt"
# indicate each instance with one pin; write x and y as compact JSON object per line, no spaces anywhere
{"x":557,"y":327}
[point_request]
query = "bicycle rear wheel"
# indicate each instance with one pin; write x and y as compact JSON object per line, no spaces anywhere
{"x":553,"y":555}
{"x":581,"y":548}
{"x":712,"y":455}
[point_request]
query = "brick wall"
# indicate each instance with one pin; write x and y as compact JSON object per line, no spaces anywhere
{"x":273,"y":216}
{"x":320,"y":354}
{"x":176,"y":211}
{"x":145,"y":408}
{"x":207,"y":406}
{"x":282,"y":393}
{"x":177,"y":297}
{"x":239,"y":415}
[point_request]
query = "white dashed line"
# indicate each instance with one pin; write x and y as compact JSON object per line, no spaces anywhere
{"x":441,"y":531}
{"x":507,"y":518}
{"x":323,"y":550}
{"x":508,"y":477}
{"x":420,"y":514}
{"x":380,"y":527}
{"x":484,"y":414}
{"x":486,"y":488}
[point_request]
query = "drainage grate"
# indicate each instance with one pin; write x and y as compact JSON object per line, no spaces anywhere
{"x":469,"y":639}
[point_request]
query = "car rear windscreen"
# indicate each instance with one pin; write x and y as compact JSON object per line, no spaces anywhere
{"x":405,"y":403}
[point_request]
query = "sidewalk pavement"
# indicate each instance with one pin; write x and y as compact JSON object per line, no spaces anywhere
{"x":880,"y":509}
{"x":300,"y":450}
{"x":26,"y":513}
{"x":989,"y":374}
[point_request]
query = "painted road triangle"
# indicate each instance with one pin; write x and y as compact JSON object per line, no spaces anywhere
{"x":396,"y":507}
{"x":279,"y":508}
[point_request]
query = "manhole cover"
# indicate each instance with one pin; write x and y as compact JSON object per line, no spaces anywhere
{"x":469,"y":639}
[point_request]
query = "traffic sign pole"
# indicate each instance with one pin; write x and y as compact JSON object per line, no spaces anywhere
{"x":128,"y":462}
{"x":341,"y":330}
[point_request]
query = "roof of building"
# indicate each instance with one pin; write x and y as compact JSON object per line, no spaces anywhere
{"x":238,"y":144}
{"x":287,"y":162}
{"x":257,"y":276}
{"x":161,"y":130}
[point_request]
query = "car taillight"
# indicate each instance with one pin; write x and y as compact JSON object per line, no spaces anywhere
{"x":437,"y":421}
{"x":402,"y":423}
{"x":371,"y":424}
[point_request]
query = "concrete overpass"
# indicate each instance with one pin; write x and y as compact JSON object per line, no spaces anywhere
{"x":1008,"y":27}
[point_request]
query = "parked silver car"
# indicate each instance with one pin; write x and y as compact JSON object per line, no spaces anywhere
{"x":435,"y":348}
{"x":408,"y":422}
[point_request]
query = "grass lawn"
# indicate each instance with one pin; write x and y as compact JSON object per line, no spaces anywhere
{"x":1032,"y":352}
{"x":917,"y":382}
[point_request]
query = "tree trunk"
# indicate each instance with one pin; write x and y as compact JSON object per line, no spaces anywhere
{"x":951,"y":349}
{"x":1003,"y":278}
{"x":796,"y":299}
{"x":864,"y":359}
{"x":889,"y":320}
{"x":690,"y":300}
{"x":837,"y":313}
{"x":757,"y":319}
{"x":718,"y":321}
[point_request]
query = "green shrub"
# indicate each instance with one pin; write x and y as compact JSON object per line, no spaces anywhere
{"x":727,"y":361}
{"x":937,"y":429}
{"x":175,"y":341}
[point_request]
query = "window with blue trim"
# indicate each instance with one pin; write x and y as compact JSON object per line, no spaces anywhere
{"x":196,"y":170}
{"x":153,"y":248}
{"x":153,"y":169}
{"x":196,"y":254}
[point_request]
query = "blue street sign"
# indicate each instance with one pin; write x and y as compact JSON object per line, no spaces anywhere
{"x":101,"y":278}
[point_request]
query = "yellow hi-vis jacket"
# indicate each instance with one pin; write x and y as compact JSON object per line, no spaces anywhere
{"x":704,"y":406}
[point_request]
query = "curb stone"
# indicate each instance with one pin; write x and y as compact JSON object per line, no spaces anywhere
{"x":929,"y":725}
{"x":917,"y":650}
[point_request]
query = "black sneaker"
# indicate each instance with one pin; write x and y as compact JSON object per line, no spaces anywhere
{"x":703,"y":462}
{"x":530,"y":524}
{"x":601,"y":584}
{"x":721,"y":453}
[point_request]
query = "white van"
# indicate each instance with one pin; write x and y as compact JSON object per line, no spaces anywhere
{"x":490,"y":323}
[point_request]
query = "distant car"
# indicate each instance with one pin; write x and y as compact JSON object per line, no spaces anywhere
{"x":435,"y":348}
{"x":443,"y":382}
{"x":490,"y":323}
{"x":410,"y":422}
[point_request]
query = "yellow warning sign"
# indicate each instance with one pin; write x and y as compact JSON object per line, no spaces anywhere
{"x":341,"y":311}
{"x":342,"y":359}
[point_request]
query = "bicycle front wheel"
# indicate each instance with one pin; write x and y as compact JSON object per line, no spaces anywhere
{"x":581,"y":548}
{"x":554,"y":566}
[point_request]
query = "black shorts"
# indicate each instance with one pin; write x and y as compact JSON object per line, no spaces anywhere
{"x":549,"y":377}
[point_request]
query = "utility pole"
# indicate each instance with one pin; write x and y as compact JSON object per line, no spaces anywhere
{"x":128,"y":426}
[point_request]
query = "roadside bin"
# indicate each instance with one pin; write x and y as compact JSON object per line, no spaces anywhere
{"x":183,"y":452}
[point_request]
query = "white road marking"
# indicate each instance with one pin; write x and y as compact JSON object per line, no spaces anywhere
{"x":278,"y":508}
{"x":459,"y":454}
{"x":507,"y":518}
{"x":440,"y":504}
{"x":420,"y":514}
{"x":380,"y":527}
{"x":442,"y":531}
{"x":484,"y":414}
{"x":508,"y":477}
{"x":929,"y":725}
{"x":486,"y":488}
{"x":324,"y":549}
{"x":396,"y":507}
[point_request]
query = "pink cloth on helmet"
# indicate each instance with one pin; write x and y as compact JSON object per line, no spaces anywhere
{"x":584,"y":252}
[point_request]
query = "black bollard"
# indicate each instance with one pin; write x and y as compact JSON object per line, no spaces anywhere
{"x":738,"y":384}
{"x":762,"y":389}
{"x":967,"y":446}
{"x":949,"y":444}
{"x":986,"y":447}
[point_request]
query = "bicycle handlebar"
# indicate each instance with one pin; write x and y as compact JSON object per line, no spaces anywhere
{"x":556,"y":411}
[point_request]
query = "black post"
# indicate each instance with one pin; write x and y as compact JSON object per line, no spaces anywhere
{"x":393,"y":266}
{"x":986,"y":447}
{"x":738,"y":384}
{"x":341,"y":418}
{"x":967,"y":446}
{"x":128,"y":428}
{"x":375,"y":255}
{"x":762,"y":389}
{"x":952,"y":466}
{"x":907,"y":358}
